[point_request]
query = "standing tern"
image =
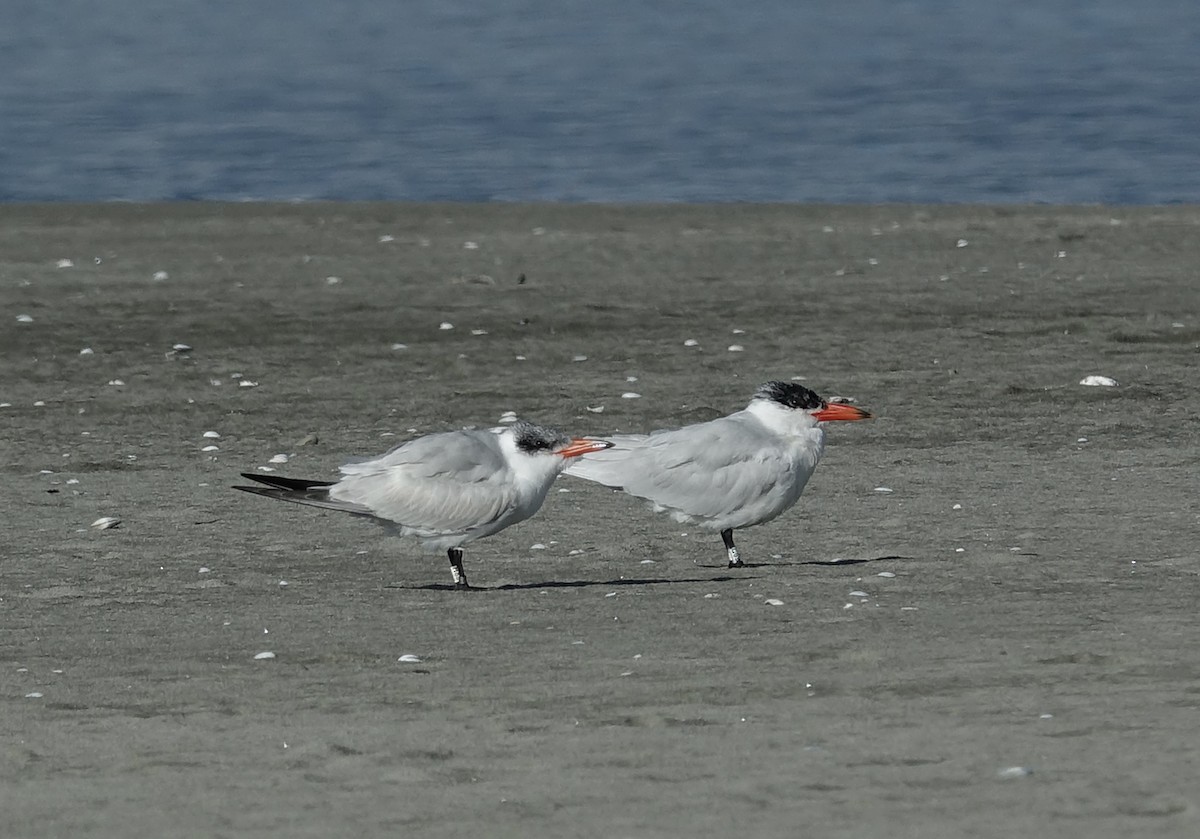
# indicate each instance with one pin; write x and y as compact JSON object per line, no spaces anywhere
{"x":445,"y":489}
{"x":733,"y":472}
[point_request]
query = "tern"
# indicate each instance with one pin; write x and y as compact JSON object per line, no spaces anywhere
{"x":445,"y":489}
{"x":733,"y":472}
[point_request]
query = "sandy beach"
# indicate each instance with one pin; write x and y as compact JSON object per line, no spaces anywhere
{"x":983,"y":610}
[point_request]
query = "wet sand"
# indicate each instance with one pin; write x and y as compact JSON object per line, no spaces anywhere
{"x":1003,"y":644}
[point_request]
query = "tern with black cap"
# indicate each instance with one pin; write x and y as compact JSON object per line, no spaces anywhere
{"x":729,"y":473}
{"x":445,"y":489}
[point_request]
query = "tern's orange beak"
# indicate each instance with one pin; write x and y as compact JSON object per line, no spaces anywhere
{"x":841,"y":411}
{"x":580,"y":446}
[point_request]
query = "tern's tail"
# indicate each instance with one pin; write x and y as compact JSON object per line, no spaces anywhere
{"x":312,"y":493}
{"x":613,"y":467}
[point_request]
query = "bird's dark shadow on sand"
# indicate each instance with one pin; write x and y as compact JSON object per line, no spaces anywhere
{"x":638,"y":581}
{"x":783,"y":563}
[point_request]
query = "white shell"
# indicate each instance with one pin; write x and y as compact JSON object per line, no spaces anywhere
{"x":408,"y":658}
{"x":1098,"y":381}
{"x":1014,"y":772}
{"x":106,"y":522}
{"x":264,"y":655}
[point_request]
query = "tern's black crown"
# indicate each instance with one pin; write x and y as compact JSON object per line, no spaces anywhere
{"x":790,"y":395}
{"x":533,"y":438}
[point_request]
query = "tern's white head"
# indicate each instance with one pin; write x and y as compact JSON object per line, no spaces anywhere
{"x":538,"y":453}
{"x":789,"y":406}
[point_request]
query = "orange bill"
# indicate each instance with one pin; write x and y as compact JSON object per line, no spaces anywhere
{"x":841,"y":411}
{"x":580,"y":446}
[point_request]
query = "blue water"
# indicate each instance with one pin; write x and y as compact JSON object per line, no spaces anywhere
{"x":579,"y":100}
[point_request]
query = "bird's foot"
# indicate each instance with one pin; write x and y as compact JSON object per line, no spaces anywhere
{"x":735,"y":559}
{"x":463,"y":585}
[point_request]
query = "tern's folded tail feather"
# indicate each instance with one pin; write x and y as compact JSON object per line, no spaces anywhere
{"x":611,"y":467}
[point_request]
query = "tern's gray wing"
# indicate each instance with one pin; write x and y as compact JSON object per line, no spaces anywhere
{"x":440,"y":484}
{"x":710,"y":471}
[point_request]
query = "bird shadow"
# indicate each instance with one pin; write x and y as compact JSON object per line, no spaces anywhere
{"x":796,"y":563}
{"x":640,"y":581}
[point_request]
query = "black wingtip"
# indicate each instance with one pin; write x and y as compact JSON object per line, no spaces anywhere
{"x":294,"y":484}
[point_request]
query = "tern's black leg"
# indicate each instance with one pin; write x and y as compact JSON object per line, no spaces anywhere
{"x":456,"y":568}
{"x":735,"y":561}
